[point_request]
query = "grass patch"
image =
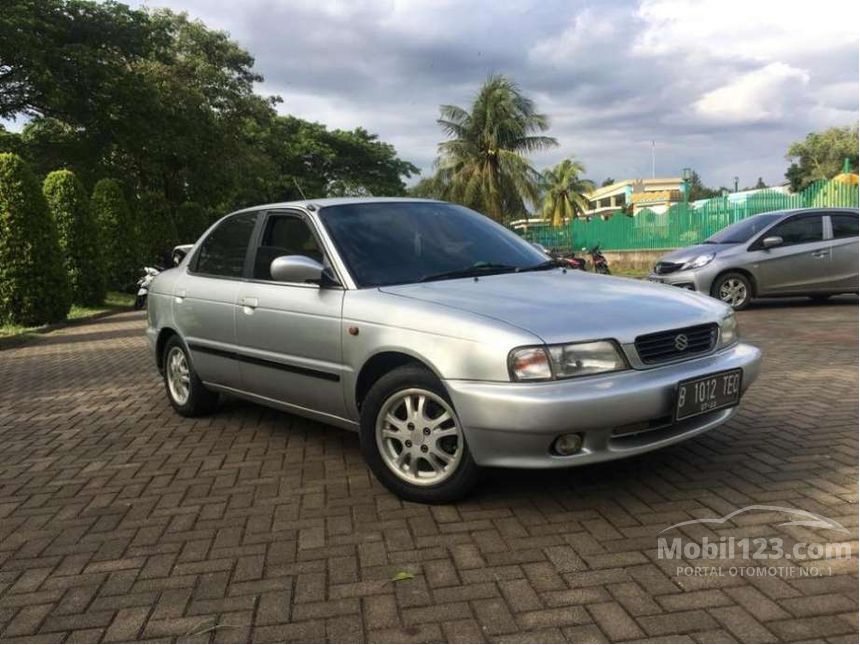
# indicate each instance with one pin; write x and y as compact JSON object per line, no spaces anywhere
{"x":114,"y":301}
{"x":629,"y":272}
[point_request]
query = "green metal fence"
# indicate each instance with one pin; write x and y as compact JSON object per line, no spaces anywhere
{"x":685,"y":224}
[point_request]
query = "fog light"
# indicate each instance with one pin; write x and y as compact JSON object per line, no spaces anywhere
{"x":567,"y":444}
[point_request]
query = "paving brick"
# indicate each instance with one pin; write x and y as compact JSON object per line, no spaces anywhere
{"x":122,"y":521}
{"x":615,"y":622}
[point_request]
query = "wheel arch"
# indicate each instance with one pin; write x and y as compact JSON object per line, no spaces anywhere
{"x":744,"y":272}
{"x":164,"y":335}
{"x":380,"y":364}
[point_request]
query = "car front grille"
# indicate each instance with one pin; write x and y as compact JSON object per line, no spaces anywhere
{"x":664,"y":346}
{"x":662,"y":268}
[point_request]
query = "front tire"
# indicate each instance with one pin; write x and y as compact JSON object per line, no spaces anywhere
{"x":185,"y":391}
{"x":734,"y":289}
{"x":412,"y":439}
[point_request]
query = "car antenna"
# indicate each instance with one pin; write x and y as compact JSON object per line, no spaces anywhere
{"x":301,"y":192}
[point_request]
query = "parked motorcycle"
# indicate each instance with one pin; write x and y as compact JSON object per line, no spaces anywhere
{"x":566,"y":260}
{"x":598,"y":260}
{"x":175,"y":257}
{"x":149,"y":274}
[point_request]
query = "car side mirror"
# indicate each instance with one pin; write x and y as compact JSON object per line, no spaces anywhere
{"x":296,"y":268}
{"x":771,"y":242}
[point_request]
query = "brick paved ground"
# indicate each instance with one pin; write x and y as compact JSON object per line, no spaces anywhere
{"x":121,"y":521}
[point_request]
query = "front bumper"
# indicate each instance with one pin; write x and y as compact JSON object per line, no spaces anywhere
{"x":693,"y":279}
{"x":619,"y":415}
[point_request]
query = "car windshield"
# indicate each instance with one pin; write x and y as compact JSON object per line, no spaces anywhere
{"x":385,"y":243}
{"x":745,"y":229}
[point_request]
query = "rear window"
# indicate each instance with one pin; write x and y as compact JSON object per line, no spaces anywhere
{"x":844,"y":225}
{"x":223,"y":251}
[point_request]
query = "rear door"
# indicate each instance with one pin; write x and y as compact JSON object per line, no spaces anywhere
{"x":290,"y":333}
{"x":204,"y":304}
{"x":843,"y":250}
{"x":801,"y":264}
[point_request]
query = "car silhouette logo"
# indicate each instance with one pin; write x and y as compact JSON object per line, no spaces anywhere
{"x":681,"y":342}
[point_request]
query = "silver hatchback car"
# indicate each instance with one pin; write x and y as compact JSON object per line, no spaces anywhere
{"x":445,"y":340}
{"x":809,"y":252}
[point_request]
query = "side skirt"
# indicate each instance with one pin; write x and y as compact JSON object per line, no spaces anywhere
{"x":298,"y":410}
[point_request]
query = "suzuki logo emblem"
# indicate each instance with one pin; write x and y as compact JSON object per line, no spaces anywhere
{"x":681,"y":342}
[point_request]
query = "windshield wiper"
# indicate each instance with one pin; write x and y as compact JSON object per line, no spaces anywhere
{"x":543,"y":266}
{"x":468,"y":272}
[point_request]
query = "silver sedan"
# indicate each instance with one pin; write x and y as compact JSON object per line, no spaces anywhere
{"x":444,"y":339}
{"x":810,"y":252}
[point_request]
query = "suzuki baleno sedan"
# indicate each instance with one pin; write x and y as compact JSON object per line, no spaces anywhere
{"x":445,"y":340}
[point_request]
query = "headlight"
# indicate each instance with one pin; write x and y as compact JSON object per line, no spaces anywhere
{"x":698,"y":262}
{"x":565,"y":361}
{"x":728,"y":330}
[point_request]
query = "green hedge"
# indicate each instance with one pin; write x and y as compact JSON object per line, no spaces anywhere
{"x":117,"y":234}
{"x":79,"y":236}
{"x":34,"y":288}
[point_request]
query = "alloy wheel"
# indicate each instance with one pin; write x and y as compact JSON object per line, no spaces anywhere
{"x":419,"y":437}
{"x":178,"y":376}
{"x":733,"y":292}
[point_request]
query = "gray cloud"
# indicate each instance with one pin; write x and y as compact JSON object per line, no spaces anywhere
{"x":721,"y":89}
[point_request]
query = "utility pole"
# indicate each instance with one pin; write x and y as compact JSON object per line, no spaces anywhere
{"x":736,"y":184}
{"x":653,"y":161}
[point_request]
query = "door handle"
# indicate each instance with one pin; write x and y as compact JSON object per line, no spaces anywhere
{"x":248,"y":305}
{"x":179,"y":296}
{"x":821,"y":254}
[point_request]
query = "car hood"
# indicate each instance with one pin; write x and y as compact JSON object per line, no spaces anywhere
{"x":567,"y":306}
{"x":692,"y":252}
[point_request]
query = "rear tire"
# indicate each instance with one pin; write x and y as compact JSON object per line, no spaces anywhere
{"x":734,"y":289}
{"x":185,"y":391}
{"x":412,"y":439}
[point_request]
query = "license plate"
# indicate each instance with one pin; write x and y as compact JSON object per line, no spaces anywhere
{"x":708,"y":393}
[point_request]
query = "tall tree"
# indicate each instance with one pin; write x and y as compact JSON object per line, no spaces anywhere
{"x":483,"y":165}
{"x":33,"y":284}
{"x":821,"y":155}
{"x":79,"y":240}
{"x":564,"y":191}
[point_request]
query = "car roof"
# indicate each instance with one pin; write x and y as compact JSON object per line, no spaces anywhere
{"x":315,"y":204}
{"x":815,"y":209}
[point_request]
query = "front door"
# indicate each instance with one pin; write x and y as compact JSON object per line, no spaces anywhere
{"x":204,"y":303}
{"x":801,"y":263}
{"x":290,"y":333}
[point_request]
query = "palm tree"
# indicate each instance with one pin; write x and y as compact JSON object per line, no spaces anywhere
{"x":482,"y":165}
{"x":564,"y":191}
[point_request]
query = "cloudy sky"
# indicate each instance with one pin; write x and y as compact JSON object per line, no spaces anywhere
{"x":722,"y":86}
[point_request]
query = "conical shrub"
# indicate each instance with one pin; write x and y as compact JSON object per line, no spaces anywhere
{"x":69,"y":205}
{"x":34,"y":287}
{"x":155,"y":222}
{"x":117,"y":233}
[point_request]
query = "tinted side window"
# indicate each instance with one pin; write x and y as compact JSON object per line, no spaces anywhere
{"x":223,"y":252}
{"x":799,"y":230}
{"x":844,"y":225}
{"x":284,"y":235}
